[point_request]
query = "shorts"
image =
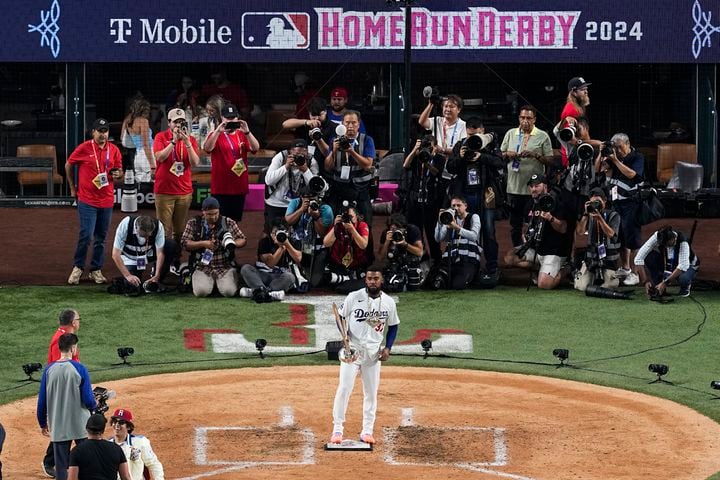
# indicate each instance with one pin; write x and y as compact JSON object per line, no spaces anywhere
{"x":549,"y":264}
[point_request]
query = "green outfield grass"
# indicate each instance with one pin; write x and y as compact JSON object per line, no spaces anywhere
{"x":508,"y":324}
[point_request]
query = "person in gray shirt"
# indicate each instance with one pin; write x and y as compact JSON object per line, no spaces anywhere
{"x":64,"y":404}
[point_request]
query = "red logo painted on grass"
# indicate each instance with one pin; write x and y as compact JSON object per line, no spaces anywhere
{"x":195,"y":338}
{"x":426,"y":333}
{"x":298,"y":318}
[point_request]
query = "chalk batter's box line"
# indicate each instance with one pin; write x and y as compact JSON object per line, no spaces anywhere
{"x":499,"y":444}
{"x":201,"y":445}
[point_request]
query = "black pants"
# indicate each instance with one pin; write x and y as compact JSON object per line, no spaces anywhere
{"x":516,"y":209}
{"x":461,"y":274}
{"x":171,"y":251}
{"x":425,"y":217}
{"x":314,"y":267}
{"x":271,"y":216}
{"x":231,"y":206}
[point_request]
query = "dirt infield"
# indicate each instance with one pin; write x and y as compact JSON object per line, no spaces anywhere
{"x":41,"y":242}
{"x":270,"y":423}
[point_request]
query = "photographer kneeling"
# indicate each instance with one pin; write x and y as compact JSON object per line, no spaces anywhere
{"x":139,"y":242}
{"x":211,"y":240}
{"x":549,"y":235}
{"x":601,"y":225}
{"x":667,"y":256}
{"x":350,"y":251}
{"x":401,"y":245}
{"x":271,"y":276}
{"x":461,"y":258}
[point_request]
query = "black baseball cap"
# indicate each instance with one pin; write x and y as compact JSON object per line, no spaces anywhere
{"x":101,"y":124}
{"x":597,"y":191}
{"x":298,"y":143}
{"x":96,"y":423}
{"x":210,"y":203}
{"x":577,"y":82}
{"x":229,"y":111}
{"x":537,"y":179}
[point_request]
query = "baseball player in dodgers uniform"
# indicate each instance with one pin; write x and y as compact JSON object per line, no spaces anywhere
{"x":369,"y":312}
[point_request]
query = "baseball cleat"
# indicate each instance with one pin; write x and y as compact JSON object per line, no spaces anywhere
{"x":337,"y":437}
{"x":367,"y":438}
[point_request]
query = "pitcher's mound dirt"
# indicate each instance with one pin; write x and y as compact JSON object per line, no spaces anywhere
{"x":272,"y":423}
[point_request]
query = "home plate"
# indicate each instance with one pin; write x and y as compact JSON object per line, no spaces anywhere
{"x":346,"y":445}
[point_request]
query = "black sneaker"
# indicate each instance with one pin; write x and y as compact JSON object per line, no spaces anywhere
{"x":48,"y":470}
{"x":684,"y":291}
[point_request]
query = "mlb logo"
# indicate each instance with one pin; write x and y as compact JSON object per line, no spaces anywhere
{"x":276,"y":30}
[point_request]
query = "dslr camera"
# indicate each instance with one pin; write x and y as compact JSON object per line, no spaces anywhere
{"x":593,"y":206}
{"x":607,"y":149}
{"x":567,"y":133}
{"x":545,"y":203}
{"x":183,"y":126}
{"x":424,"y":154}
{"x":343,"y":140}
{"x":316,"y":134}
{"x":299,"y":159}
{"x":281,"y":236}
{"x":432,"y":93}
{"x":345,"y":211}
{"x":447,"y":216}
{"x":102,"y":395}
{"x":398,"y":235}
{"x":227,"y":242}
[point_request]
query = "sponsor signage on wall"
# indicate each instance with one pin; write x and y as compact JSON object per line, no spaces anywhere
{"x":577,"y":31}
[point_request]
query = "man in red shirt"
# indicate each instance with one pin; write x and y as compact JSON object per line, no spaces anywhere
{"x":176,"y":153}
{"x":228,"y":145}
{"x":99,"y":162}
{"x":69,"y":323}
{"x":577,"y":99}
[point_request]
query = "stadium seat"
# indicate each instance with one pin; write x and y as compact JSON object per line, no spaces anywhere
{"x":37,"y":178}
{"x":391,"y":169}
{"x":668,"y":154}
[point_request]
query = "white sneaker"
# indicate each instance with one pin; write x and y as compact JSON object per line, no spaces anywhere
{"x":621,"y":273}
{"x":278,"y":295}
{"x":75,"y":275}
{"x":246,"y":292}
{"x":631,"y":279}
{"x":97,"y":277}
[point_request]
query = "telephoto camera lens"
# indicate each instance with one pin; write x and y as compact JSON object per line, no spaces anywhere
{"x":546,"y":203}
{"x":447,"y":216}
{"x":299,"y":160}
{"x":585,"y":152}
{"x":473,"y":143}
{"x":281,"y":236}
{"x":567,"y":133}
{"x":228,"y":242}
{"x":316,"y":134}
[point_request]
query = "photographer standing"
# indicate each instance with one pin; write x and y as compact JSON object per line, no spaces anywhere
{"x":272,"y":273}
{"x":625,"y":168}
{"x":228,"y":146}
{"x":64,"y":403}
{"x":602,"y":256}
{"x":577,"y":101}
{"x":351,"y":161}
{"x":309,"y":218}
{"x":315,"y":129}
{"x":401,"y":245}
{"x":350,"y":250}
{"x":211,"y":240}
{"x":460,"y":231}
{"x":176,"y":152}
{"x":448,"y":129}
{"x":140,"y":242}
{"x":527,"y":150}
{"x":424,"y":192}
{"x":667,"y":256}
{"x":476,"y":168}
{"x":549,"y":235}
{"x":289,"y":171}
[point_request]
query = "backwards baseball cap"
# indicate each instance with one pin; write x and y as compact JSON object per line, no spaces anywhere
{"x":229,"y":111}
{"x":210,"y":203}
{"x":577,"y":82}
{"x":298,"y":143}
{"x":101,"y":124}
{"x":339,"y":92}
{"x":597,"y":191}
{"x":175,"y":114}
{"x":537,"y":179}
{"x":96,"y":423}
{"x":123,"y":414}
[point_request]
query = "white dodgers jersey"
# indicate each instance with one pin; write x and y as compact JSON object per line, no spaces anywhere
{"x":368,"y":317}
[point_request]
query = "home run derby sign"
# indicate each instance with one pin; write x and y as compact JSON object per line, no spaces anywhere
{"x":299,"y":325}
{"x":552,"y":31}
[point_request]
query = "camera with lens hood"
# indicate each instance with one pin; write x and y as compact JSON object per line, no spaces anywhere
{"x":299,"y":159}
{"x":281,"y":236}
{"x":316,"y":134}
